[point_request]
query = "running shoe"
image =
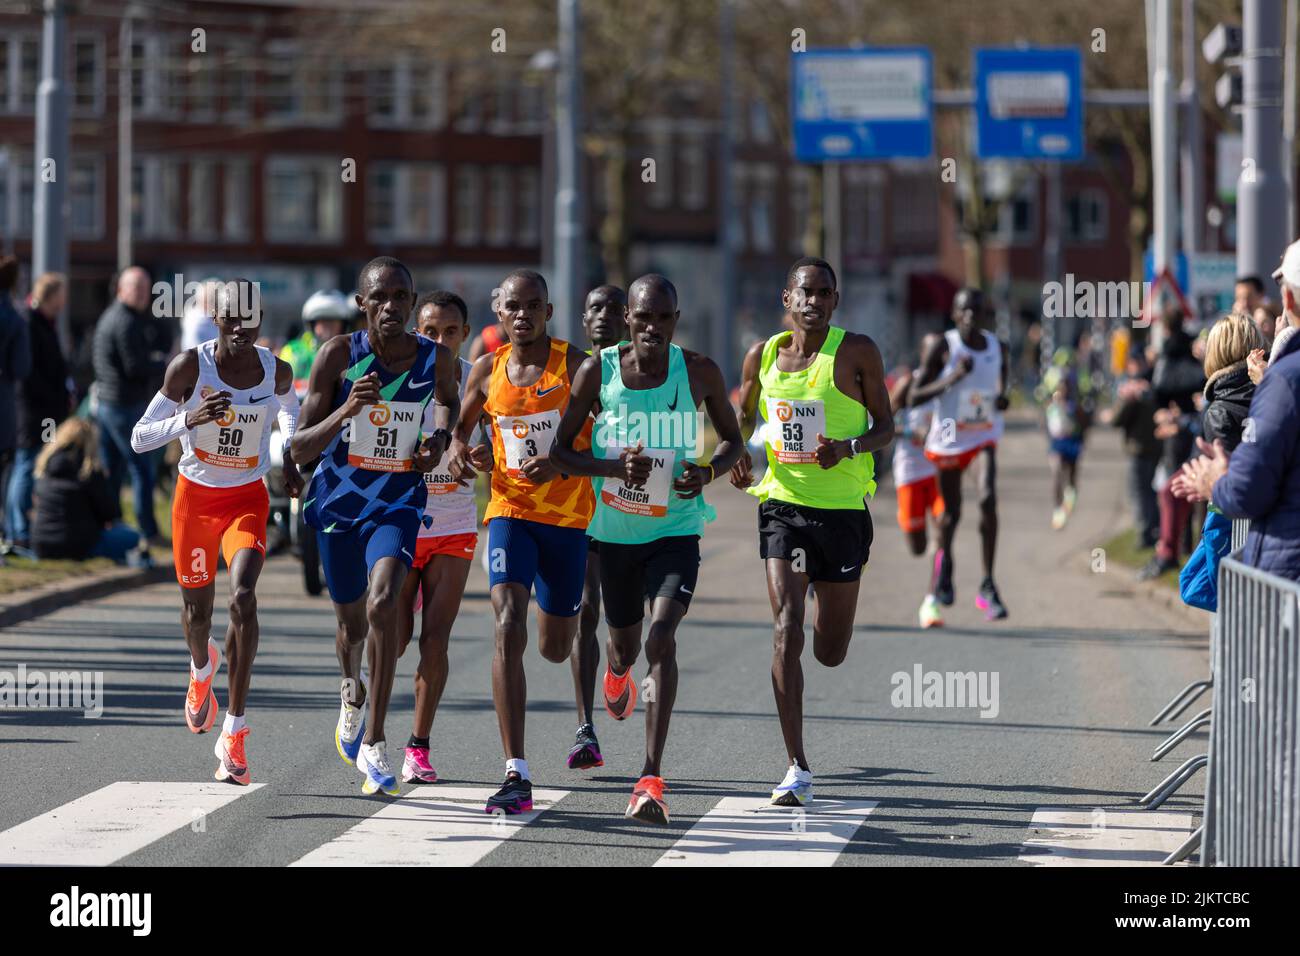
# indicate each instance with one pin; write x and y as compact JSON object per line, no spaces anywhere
{"x":647,"y":803}
{"x":1059,"y":517}
{"x":619,"y":689}
{"x":1071,"y":498}
{"x":931,"y":612}
{"x":200,"y":701}
{"x":232,"y":765}
{"x":372,"y":760}
{"x":351,"y":726}
{"x":416,"y":767}
{"x":795,"y":790}
{"x":990,"y":602}
{"x":585,"y":752}
{"x":515,"y":796}
{"x":943,"y":590}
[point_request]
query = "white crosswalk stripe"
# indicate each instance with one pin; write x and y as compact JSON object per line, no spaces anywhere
{"x":430,"y":826}
{"x":113,"y":822}
{"x":1104,"y":836}
{"x":749,"y":831}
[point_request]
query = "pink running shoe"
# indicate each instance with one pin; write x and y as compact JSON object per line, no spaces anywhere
{"x":416,"y":767}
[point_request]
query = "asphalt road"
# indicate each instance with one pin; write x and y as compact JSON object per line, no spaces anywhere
{"x":1082,"y":663}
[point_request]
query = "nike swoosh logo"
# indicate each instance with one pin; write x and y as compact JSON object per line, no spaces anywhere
{"x":254,"y":401}
{"x":420,"y":384}
{"x":547,"y":391}
{"x":333,"y":525}
{"x":407,"y":553}
{"x":687,"y":590}
{"x":846,"y":570}
{"x":672,"y":407}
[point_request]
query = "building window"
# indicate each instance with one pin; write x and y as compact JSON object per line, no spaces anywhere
{"x":20,"y":72}
{"x":302,"y":90}
{"x":88,"y":74}
{"x":406,"y":202}
{"x":201,"y":87}
{"x":1017,"y":216}
{"x":1085,"y":216}
{"x":428,"y":96}
{"x":913,"y":210}
{"x":469,"y":205}
{"x":86,"y":198}
{"x":694,"y":160}
{"x":149,"y":76}
{"x":500,"y":196}
{"x":381,"y":93}
{"x":156,"y":197}
{"x":203,"y":209}
{"x":469,"y":109}
{"x":15,"y":194}
{"x":528,"y":207}
{"x":406,"y":92}
{"x":236,"y":81}
{"x":235,"y":200}
{"x":501,"y":108}
{"x":304,"y":200}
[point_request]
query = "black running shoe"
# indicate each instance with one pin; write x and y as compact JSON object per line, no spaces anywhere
{"x":515,"y":796}
{"x":943,"y":590}
{"x":586,"y":750}
{"x":990,"y":602}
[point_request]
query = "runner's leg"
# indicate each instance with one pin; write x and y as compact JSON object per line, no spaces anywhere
{"x":586,"y":650}
{"x":950,"y":489}
{"x":785,"y":591}
{"x":244,"y":632}
{"x":834,"y":608}
{"x":444,"y":585}
{"x":661,"y":689}
{"x":509,"y":686}
{"x":386,"y":579}
{"x":986,"y":477}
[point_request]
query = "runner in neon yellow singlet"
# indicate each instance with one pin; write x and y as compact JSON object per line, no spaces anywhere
{"x":822,"y":392}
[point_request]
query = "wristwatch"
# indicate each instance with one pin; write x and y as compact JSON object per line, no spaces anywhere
{"x":855,"y":448}
{"x":446,"y":436}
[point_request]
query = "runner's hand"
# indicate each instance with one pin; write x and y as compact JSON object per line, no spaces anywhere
{"x":692,"y":481}
{"x":427,"y":454}
{"x":480,"y":457}
{"x":538,"y":469}
{"x":633,"y":467}
{"x":293,"y":483}
{"x":365,"y":391}
{"x":458,"y":455}
{"x":742,"y":472}
{"x":830,"y":452}
{"x":209,"y":410}
{"x":1002,"y":403}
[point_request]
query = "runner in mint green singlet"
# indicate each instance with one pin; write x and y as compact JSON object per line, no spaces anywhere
{"x":822,"y":392}
{"x":650,"y":511}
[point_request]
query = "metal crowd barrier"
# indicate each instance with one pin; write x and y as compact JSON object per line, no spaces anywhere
{"x":1252,"y":811}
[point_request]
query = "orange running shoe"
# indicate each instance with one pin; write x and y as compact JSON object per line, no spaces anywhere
{"x":615,"y":689}
{"x":232,"y":765}
{"x":200,"y":702}
{"x":647,"y":803}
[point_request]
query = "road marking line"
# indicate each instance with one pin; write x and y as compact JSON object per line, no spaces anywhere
{"x":430,"y":826}
{"x":749,"y":831}
{"x":1104,"y":837}
{"x":113,"y":822}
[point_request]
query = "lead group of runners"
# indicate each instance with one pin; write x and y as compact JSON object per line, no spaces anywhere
{"x":597,"y":495}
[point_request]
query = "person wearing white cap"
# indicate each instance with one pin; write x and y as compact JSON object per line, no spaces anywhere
{"x":1287,"y":274}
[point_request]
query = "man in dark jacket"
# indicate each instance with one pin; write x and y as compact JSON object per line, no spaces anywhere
{"x":43,"y":398}
{"x":1260,"y":480}
{"x":1135,"y":414}
{"x":15,"y":365}
{"x":130,"y":351}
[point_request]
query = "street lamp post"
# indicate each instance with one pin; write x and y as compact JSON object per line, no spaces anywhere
{"x":51,"y":165}
{"x":569,"y":232}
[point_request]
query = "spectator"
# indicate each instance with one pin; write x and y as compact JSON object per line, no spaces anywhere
{"x":15,"y":364}
{"x":1135,"y":414}
{"x":198,"y":324}
{"x":43,"y":397}
{"x":1247,"y":294}
{"x":1266,"y":317}
{"x":76,"y":516}
{"x":130,"y":357}
{"x":1228,"y":388}
{"x":1260,"y":480}
{"x":1177,"y":379}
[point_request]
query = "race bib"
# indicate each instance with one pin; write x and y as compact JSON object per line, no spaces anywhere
{"x":649,"y":498}
{"x":439,"y":481}
{"x":234,"y":440}
{"x":384,"y":436}
{"x":526,"y":436}
{"x":974,"y":410}
{"x":793,"y":427}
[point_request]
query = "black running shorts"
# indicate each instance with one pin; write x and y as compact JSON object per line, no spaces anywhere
{"x":631,"y":574}
{"x":826,"y":544}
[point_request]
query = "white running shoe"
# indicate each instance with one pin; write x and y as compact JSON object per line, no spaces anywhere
{"x":931,"y":613}
{"x":372,"y":760}
{"x":795,"y":790}
{"x":352,"y":723}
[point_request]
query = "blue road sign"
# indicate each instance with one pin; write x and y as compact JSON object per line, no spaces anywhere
{"x":1029,"y":104}
{"x":862,"y":104}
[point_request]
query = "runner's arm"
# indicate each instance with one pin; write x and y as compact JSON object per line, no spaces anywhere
{"x":750,"y":389}
{"x":1003,"y":401}
{"x":584,"y":390}
{"x":869,"y":371}
{"x":471,"y":406}
{"x":289,"y":410}
{"x":898,"y":394}
{"x":164,"y":420}
{"x":317,"y":425}
{"x":929,"y":384}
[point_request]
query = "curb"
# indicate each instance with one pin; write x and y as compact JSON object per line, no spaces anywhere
{"x":23,"y":606}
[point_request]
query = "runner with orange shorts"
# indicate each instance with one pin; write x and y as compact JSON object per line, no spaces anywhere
{"x":218,"y":399}
{"x":444,"y":548}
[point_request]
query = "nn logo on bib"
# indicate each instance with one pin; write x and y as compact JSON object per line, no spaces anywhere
{"x":521,"y":428}
{"x":785,"y":411}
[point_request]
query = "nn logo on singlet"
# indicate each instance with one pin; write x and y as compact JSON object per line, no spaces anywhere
{"x":786,"y":412}
{"x":521,"y":429}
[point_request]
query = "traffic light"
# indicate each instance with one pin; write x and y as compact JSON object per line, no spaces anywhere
{"x":1223,"y":45}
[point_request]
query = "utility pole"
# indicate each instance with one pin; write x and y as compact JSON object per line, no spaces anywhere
{"x":1164,"y":137}
{"x":52,"y":164}
{"x":722,"y":343}
{"x":832,"y":218}
{"x":569,"y":231}
{"x":125,"y":125}
{"x":1289,"y":115}
{"x":1193,"y":147}
{"x":1262,"y":196}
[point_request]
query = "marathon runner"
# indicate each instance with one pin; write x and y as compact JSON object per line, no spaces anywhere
{"x":365,"y":412}
{"x":916,"y":479}
{"x":325,"y":314}
{"x":444,"y":548}
{"x":537,"y":518}
{"x":650,"y":510}
{"x":605,"y":322}
{"x":218,"y":399}
{"x":966,"y":371}
{"x":816,"y":386}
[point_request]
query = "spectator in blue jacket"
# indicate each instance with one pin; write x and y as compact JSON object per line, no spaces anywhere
{"x":1260,"y":480}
